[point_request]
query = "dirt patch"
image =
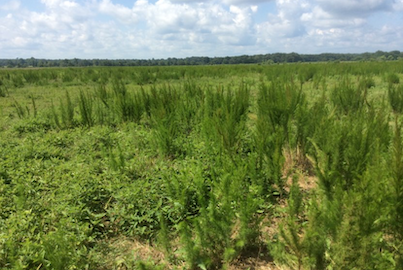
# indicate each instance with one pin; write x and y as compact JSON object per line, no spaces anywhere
{"x":124,"y":252}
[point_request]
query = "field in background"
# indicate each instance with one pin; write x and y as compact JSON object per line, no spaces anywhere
{"x":294,"y":166}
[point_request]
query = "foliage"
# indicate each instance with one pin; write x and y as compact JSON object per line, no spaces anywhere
{"x":196,"y":60}
{"x":395,"y":96}
{"x":205,"y":165}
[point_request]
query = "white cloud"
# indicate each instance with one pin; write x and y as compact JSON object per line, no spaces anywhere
{"x":117,"y":11}
{"x":319,"y":18}
{"x":10,"y":6}
{"x":244,"y":2}
{"x":360,"y":8}
{"x":180,"y":28}
{"x":286,"y":23}
{"x":165,"y":17}
{"x":328,"y":26}
{"x":398,"y":5}
{"x":226,"y":2}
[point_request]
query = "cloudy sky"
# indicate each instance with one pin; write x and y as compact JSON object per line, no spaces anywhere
{"x":145,"y":29}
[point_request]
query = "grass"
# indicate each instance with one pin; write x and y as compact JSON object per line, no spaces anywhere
{"x":201,"y":167}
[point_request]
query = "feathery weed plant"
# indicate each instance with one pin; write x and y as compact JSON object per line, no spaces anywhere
{"x":192,"y":160}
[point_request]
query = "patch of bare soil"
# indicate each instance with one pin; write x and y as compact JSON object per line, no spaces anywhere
{"x":257,"y":258}
{"x":297,"y":164}
{"x":122,"y":253}
{"x":125,"y":251}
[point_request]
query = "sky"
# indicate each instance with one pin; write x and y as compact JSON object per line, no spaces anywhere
{"x":146,"y":29}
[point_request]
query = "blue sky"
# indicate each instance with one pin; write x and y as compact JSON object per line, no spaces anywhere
{"x":145,"y":29}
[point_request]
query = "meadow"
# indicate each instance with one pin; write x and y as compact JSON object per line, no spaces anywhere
{"x":288,"y":166}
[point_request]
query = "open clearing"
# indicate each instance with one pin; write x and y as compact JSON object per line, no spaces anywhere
{"x":294,"y":166}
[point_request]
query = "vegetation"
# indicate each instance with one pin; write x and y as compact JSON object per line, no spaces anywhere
{"x":273,"y":58}
{"x":295,"y":166}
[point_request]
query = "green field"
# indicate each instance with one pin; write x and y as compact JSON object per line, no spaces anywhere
{"x":294,"y":166}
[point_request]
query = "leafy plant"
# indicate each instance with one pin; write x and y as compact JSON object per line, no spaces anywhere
{"x":395,"y":95}
{"x":86,"y":109}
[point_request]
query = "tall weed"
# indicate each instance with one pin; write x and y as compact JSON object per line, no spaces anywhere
{"x":347,"y":98}
{"x":85,"y":103}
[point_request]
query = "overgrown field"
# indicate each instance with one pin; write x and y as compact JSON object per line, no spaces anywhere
{"x":237,"y":167}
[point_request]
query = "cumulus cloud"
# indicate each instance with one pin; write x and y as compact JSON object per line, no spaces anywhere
{"x":180,"y":28}
{"x":398,"y":5}
{"x":120,"y":12}
{"x":320,"y":26}
{"x":360,"y":8}
{"x":319,"y":18}
{"x":10,"y":6}
{"x":197,"y":22}
{"x":245,"y":2}
{"x":286,"y":23}
{"x":226,"y":2}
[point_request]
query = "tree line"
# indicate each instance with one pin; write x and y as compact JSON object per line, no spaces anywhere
{"x":196,"y":60}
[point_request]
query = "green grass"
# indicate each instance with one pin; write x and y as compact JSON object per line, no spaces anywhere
{"x":190,"y":167}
